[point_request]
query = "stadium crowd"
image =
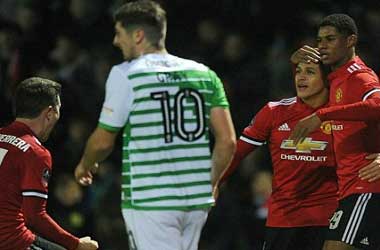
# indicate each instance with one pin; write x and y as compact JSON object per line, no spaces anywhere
{"x":247,"y":42}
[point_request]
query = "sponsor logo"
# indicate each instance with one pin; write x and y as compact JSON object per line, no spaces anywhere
{"x":306,"y":146}
{"x":337,"y":127}
{"x":309,"y":158}
{"x":338,"y":95}
{"x":107,"y":111}
{"x":284,"y":127}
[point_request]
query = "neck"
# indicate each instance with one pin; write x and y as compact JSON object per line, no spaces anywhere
{"x":33,"y":124}
{"x":344,"y":60}
{"x":317,"y":100}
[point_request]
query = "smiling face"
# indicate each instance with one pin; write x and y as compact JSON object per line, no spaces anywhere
{"x":310,"y":85}
{"x":335,"y":48}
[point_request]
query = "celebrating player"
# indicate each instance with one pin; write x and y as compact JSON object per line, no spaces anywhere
{"x":355,"y":111}
{"x":25,"y":169}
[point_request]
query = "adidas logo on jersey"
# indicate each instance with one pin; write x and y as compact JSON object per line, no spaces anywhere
{"x":353,"y":67}
{"x":284,"y":127}
{"x":364,"y":241}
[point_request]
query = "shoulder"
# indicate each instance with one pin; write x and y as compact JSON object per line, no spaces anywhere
{"x":37,"y":152}
{"x":358,"y":71}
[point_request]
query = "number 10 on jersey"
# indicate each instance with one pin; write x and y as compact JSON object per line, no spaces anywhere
{"x":179,"y":114}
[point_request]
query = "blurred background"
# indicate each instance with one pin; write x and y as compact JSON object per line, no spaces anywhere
{"x":247,"y":42}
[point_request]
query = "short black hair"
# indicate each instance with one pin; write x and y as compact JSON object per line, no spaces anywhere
{"x":33,"y":95}
{"x":343,"y":23}
{"x":147,"y":14}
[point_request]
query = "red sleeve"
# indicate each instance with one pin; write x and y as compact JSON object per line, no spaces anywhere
{"x":242,"y":150}
{"x":368,"y":110}
{"x":36,"y":171}
{"x":253,"y":136}
{"x":39,"y":222}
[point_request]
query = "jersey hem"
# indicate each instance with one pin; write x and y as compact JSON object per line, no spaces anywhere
{"x":181,"y":208}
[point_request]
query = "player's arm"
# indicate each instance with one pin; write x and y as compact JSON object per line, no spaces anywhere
{"x":98,"y":147}
{"x":39,"y":222}
{"x":366,"y":110}
{"x":114,"y":114}
{"x":225,"y":141}
{"x":252,"y":137}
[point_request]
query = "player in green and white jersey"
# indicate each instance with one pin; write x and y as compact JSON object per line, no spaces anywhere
{"x":166,"y":106}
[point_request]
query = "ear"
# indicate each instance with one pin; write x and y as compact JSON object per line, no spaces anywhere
{"x":138,"y":36}
{"x":48,"y":112}
{"x":352,"y":40}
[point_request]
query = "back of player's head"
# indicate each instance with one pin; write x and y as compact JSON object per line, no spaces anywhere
{"x":147,"y":15}
{"x":343,"y":23}
{"x":34,"y":95}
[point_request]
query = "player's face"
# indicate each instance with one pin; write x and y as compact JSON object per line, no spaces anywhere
{"x":52,"y":116}
{"x":124,"y":41}
{"x":309,"y":82}
{"x":333,"y":46}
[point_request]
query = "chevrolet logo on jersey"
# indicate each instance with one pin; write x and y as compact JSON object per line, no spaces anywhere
{"x":306,"y":146}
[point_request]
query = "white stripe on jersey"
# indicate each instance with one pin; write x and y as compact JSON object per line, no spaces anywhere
{"x":169,"y":179}
{"x":285,"y":102}
{"x":250,"y":141}
{"x":370,"y":93}
{"x":35,"y":194}
{"x":171,"y":191}
{"x":174,"y":166}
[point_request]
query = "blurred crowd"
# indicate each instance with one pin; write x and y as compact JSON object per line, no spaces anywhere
{"x":247,"y":42}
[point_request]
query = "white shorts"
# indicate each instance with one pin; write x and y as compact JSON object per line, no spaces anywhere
{"x":164,"y":230}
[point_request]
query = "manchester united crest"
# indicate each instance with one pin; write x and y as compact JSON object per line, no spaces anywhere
{"x":338,"y":95}
{"x":326,"y":127}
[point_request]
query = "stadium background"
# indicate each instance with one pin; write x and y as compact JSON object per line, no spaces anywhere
{"x":247,"y":42}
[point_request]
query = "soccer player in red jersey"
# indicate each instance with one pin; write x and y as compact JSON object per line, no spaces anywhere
{"x":355,"y":112}
{"x":25,"y":168}
{"x":304,"y":181}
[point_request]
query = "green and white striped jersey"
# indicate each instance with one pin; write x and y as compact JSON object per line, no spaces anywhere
{"x":163,"y":102}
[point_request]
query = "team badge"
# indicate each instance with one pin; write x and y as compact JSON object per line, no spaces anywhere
{"x":45,"y":177}
{"x":326,"y":127}
{"x":338,"y":95}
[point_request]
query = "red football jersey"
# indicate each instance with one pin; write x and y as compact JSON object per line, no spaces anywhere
{"x":25,"y":167}
{"x":353,"y":140}
{"x":304,"y":181}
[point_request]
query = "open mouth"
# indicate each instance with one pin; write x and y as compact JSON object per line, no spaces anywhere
{"x":302,"y":86}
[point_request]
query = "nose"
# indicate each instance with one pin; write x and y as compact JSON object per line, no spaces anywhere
{"x":115,"y":42}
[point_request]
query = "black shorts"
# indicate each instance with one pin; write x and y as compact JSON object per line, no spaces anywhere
{"x":356,"y":221}
{"x":43,"y":244}
{"x":294,"y":238}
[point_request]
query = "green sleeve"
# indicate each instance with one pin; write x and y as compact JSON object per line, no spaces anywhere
{"x":218,"y":98}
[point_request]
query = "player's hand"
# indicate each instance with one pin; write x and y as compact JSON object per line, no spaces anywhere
{"x":371,"y":172}
{"x":304,"y":127}
{"x":83,"y":175}
{"x":306,"y":54}
{"x":86,"y":243}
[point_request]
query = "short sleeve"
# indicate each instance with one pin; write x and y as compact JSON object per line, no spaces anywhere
{"x":118,"y":101}
{"x":218,"y":98}
{"x":35,"y":174}
{"x":259,"y":129}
